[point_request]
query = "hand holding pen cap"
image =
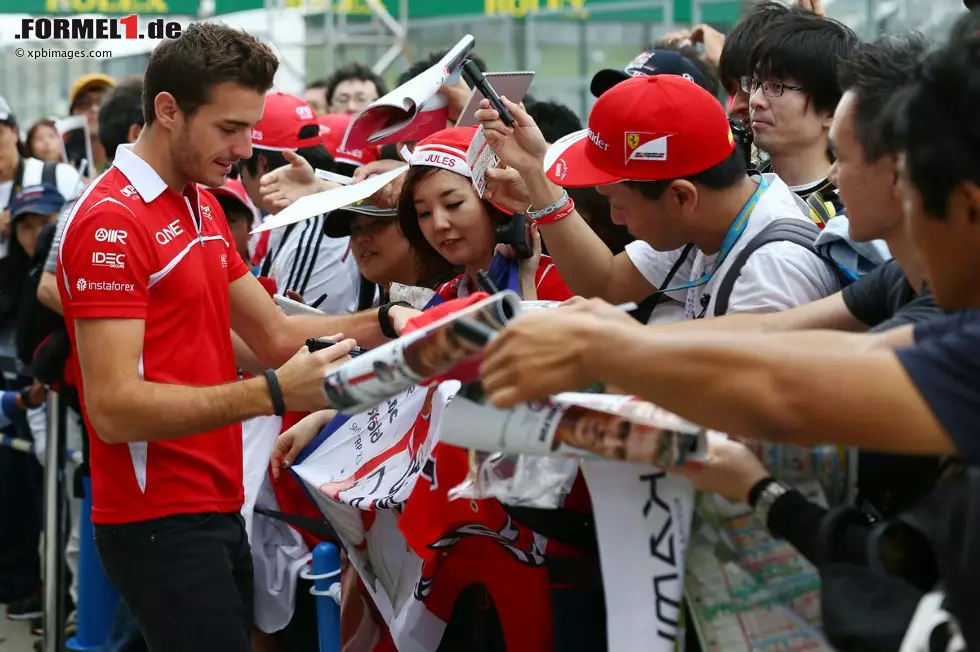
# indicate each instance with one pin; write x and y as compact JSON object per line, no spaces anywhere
{"x":315,"y":344}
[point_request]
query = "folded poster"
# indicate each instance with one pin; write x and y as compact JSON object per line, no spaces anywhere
{"x":412,"y":111}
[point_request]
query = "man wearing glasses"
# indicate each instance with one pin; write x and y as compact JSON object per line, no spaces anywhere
{"x":793,"y":91}
{"x":352,"y":87}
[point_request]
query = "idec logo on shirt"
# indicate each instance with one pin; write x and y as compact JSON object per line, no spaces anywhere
{"x":112,"y":236}
{"x":103,"y":259}
{"x":171,"y":231}
{"x":84,"y":285}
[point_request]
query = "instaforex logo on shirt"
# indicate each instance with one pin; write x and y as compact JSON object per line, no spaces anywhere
{"x":91,"y":29}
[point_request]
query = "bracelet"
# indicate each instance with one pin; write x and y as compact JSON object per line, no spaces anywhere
{"x":756,"y":491}
{"x":558,"y":215}
{"x":545,"y":212}
{"x":772,"y":492}
{"x":275,"y":391}
{"x":384,"y":319}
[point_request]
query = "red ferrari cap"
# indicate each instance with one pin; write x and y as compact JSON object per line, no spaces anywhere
{"x":284,"y":116}
{"x":333,"y":126}
{"x":649,"y":128}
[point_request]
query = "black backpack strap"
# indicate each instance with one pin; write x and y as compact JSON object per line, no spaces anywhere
{"x":320,"y":528}
{"x":49,"y":173}
{"x":647,"y":306}
{"x":787,"y":229}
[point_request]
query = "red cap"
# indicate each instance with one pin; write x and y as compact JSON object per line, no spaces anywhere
{"x":281,"y":122}
{"x":236,"y":190}
{"x":649,"y":128}
{"x":445,"y":149}
{"x":333,"y":126}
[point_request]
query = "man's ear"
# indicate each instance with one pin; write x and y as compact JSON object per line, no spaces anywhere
{"x":684,"y":194}
{"x":972,"y":193}
{"x":134,"y":132}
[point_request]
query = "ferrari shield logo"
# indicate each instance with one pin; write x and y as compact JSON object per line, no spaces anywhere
{"x":632,"y":140}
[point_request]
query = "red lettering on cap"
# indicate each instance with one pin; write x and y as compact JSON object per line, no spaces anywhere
{"x":440,"y":159}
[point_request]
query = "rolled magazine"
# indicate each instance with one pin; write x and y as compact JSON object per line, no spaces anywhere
{"x":427,"y":353}
{"x":576,"y":425}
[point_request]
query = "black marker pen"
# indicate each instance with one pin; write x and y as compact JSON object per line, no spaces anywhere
{"x":472,"y":74}
{"x":318,"y":344}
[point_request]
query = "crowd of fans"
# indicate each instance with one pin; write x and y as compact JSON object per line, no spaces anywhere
{"x":794,"y":212}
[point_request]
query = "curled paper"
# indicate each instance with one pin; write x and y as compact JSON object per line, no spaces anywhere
{"x":427,"y":353}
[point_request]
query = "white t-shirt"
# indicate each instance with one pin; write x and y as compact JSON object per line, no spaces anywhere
{"x":66,"y":177}
{"x":308,"y":262}
{"x":777,"y":276}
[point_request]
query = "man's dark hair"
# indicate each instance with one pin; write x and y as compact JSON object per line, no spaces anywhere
{"x":735,"y":61}
{"x":317,"y":156}
{"x":718,"y":177}
{"x":316,"y":83}
{"x":875,"y":72}
{"x":203,"y":56}
{"x":353,"y":71}
{"x":120,"y":110}
{"x":422,"y":65}
{"x":554,"y":119}
{"x":807,"y":49}
{"x":937,"y":124}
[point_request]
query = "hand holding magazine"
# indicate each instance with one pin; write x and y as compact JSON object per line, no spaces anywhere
{"x":421,"y":355}
{"x":412,"y":111}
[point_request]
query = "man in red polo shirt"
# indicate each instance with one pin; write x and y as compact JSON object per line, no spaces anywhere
{"x":152,"y":287}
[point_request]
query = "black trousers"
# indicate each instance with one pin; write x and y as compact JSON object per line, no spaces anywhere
{"x":187,"y":580}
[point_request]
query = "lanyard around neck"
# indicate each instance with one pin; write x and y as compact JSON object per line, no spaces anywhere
{"x":735,"y":232}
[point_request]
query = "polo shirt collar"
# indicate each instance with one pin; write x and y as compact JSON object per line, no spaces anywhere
{"x":143,"y":177}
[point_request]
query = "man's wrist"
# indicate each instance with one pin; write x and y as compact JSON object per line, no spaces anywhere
{"x":262,"y":399}
{"x":541,"y":190}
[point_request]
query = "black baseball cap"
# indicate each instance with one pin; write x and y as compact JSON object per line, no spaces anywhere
{"x":650,"y":62}
{"x":338,"y":223}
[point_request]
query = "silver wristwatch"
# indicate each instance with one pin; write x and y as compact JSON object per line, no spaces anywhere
{"x":767,"y":499}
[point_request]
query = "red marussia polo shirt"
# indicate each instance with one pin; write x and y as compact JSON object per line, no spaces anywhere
{"x":134,"y":249}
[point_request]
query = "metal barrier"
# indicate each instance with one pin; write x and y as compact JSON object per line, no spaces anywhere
{"x":326,"y":588}
{"x":55,"y":509}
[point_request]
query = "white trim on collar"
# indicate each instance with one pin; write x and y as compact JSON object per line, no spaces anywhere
{"x":144,"y":178}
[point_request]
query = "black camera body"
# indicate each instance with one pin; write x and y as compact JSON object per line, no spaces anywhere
{"x":514,"y":231}
{"x":743,"y":139}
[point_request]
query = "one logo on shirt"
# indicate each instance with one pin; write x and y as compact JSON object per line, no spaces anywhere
{"x":641,"y":146}
{"x":114,"y":236}
{"x":171,"y":231}
{"x":104,"y":286}
{"x":102,"y":259}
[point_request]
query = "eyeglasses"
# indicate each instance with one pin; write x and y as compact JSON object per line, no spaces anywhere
{"x":769,"y":88}
{"x":346,"y":100}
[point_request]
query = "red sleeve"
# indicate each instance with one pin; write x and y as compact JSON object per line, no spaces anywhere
{"x":236,"y":266}
{"x":106,"y":260}
{"x":551,"y":286}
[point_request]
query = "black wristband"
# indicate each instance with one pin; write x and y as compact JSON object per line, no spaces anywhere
{"x":384,"y":319}
{"x":275,"y":391}
{"x":756,"y":491}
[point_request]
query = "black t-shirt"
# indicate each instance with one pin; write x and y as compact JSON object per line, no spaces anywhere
{"x":945,"y":367}
{"x":884,"y":299}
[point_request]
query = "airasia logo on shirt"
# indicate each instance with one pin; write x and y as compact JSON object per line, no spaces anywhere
{"x":103,"y":259}
{"x":171,"y":231}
